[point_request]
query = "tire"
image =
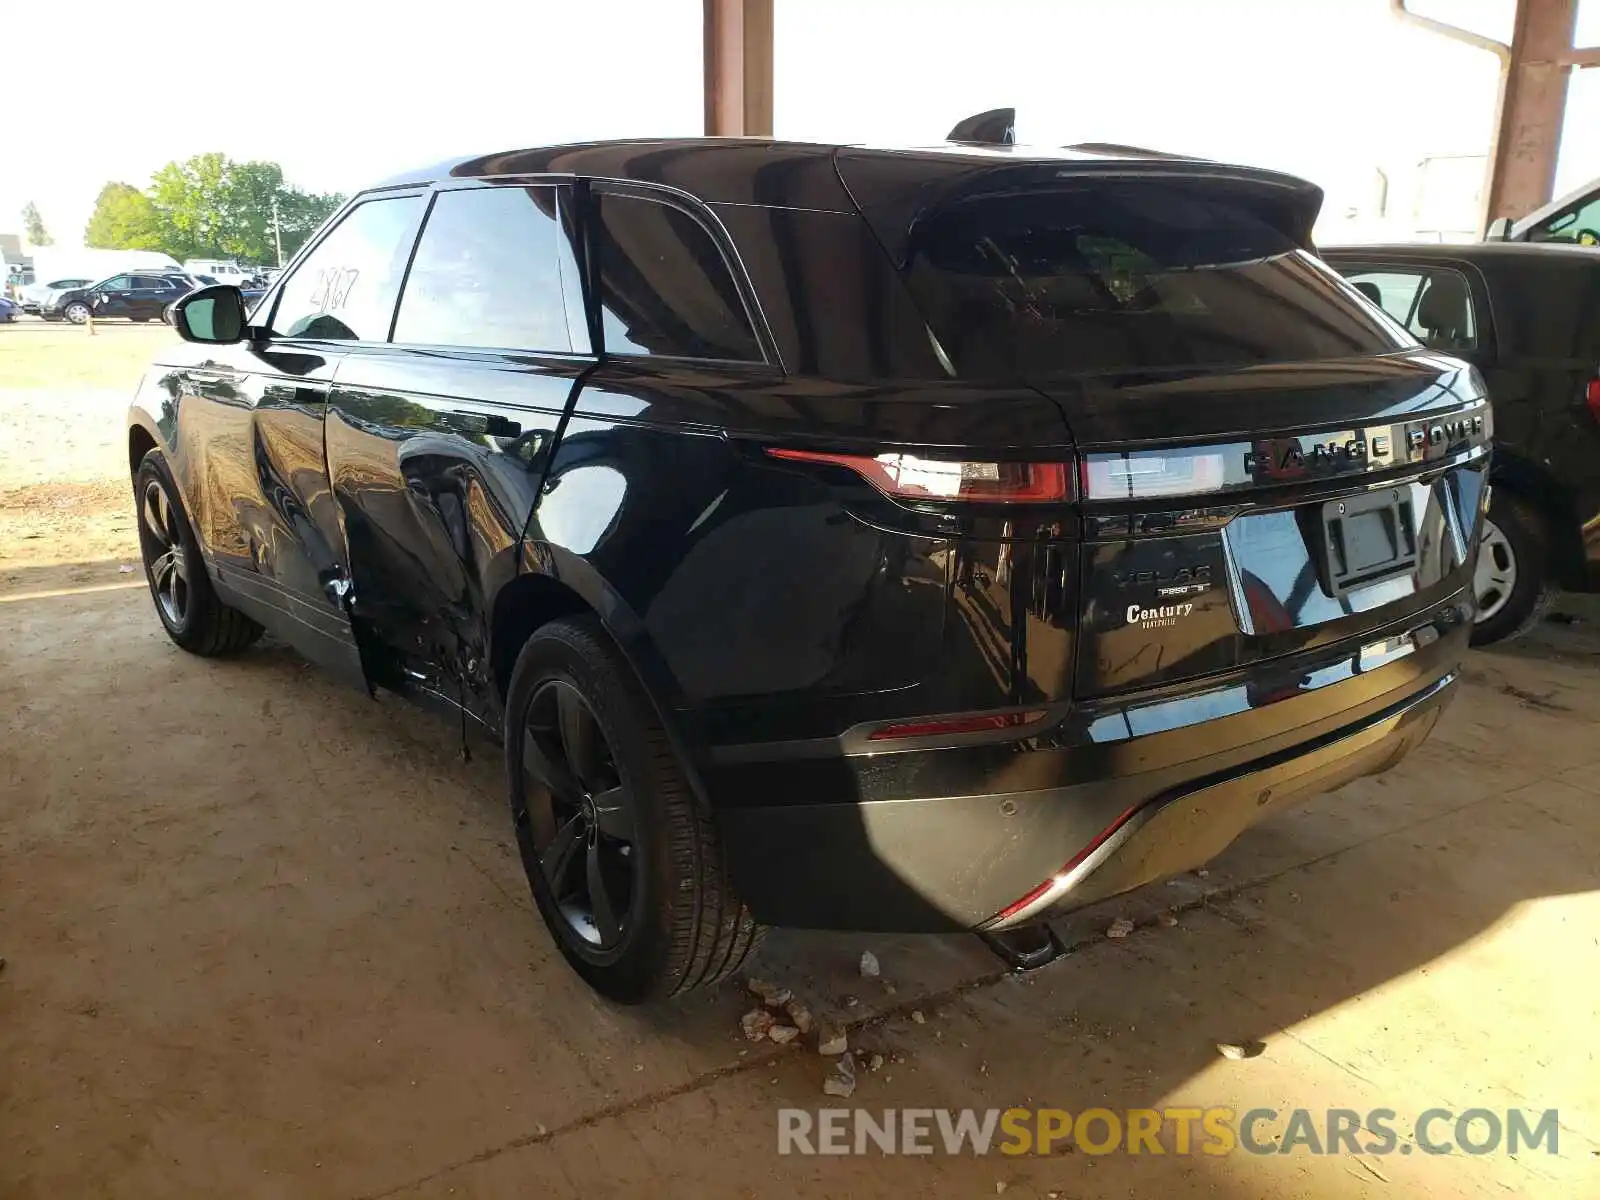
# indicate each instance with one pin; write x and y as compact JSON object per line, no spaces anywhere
{"x":77,"y":312}
{"x":187,"y":605}
{"x":1512,"y":584}
{"x":682,"y":925}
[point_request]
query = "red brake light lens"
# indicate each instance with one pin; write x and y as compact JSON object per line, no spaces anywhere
{"x":910,"y":477}
{"x":976,"y":723}
{"x":1591,"y":396}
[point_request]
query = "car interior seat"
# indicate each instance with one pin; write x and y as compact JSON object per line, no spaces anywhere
{"x":1443,"y":313}
{"x":1370,"y":290}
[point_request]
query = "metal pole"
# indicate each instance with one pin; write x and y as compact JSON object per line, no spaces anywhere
{"x":1531,"y":109}
{"x":277,"y":231}
{"x":738,"y":68}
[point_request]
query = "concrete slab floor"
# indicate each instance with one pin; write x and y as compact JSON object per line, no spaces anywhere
{"x":267,"y":938}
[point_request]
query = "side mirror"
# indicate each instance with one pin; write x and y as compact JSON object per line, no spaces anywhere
{"x":212,"y":314}
{"x":1499,"y":230}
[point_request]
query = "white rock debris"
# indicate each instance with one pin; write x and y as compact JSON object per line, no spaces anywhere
{"x":832,"y":1041}
{"x":841,"y":1081}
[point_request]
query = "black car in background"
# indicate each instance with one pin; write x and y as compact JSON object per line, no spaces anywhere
{"x":1528,"y":317}
{"x":849,"y":538}
{"x":134,"y":295}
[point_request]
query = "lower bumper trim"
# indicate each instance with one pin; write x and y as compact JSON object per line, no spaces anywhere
{"x":1177,"y":832}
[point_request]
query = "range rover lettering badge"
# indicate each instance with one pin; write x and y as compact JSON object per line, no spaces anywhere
{"x":1445,"y":433}
{"x":1294,"y":456}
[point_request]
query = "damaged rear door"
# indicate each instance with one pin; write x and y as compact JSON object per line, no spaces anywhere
{"x":438,"y":438}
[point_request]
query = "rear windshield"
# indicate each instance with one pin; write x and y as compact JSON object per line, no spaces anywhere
{"x":1126,"y":276}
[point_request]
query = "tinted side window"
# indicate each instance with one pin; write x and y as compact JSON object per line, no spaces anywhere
{"x":120,"y":284}
{"x":486,"y":273}
{"x":346,"y":288}
{"x":1434,"y":304}
{"x":664,"y":287}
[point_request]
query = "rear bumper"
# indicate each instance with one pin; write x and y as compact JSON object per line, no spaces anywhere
{"x":1178,"y":832}
{"x":1141,"y":799}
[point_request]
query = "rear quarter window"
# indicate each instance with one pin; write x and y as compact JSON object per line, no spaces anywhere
{"x":664,"y":287}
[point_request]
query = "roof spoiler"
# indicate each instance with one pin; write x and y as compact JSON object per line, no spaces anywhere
{"x":1118,"y":148}
{"x":997,"y":127}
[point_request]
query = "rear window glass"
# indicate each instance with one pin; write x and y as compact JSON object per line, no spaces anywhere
{"x":1116,"y":277}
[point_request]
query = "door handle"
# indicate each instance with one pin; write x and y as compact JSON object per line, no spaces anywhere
{"x":487,"y":424}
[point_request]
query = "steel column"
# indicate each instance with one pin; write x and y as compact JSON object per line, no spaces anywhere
{"x":738,"y":68}
{"x":1531,"y":109}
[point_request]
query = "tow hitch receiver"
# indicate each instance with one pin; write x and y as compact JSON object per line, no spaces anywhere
{"x":1027,"y":948}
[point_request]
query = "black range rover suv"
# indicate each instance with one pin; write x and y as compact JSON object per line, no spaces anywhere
{"x":848,"y":538}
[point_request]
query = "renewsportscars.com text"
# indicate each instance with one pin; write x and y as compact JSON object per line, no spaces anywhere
{"x":1211,"y":1131}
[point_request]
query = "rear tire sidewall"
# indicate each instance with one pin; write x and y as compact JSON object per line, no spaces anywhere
{"x":1521,"y":527}
{"x":635,"y":968}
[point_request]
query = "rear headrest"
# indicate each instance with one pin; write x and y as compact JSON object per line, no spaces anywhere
{"x":1370,"y":290}
{"x":1444,"y":305}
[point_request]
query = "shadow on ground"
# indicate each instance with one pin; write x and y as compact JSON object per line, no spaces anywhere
{"x":267,"y":937}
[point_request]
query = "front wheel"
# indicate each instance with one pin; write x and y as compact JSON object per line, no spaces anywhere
{"x":1511,"y":583}
{"x":77,"y":312}
{"x":622,"y":858}
{"x":190,"y":611}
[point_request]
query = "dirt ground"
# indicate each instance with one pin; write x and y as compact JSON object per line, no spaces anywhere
{"x":65,"y":513}
{"x":265,"y":937}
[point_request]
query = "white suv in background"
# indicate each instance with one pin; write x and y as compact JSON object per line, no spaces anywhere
{"x":222,"y":272}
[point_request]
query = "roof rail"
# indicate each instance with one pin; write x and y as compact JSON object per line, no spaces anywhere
{"x":997,"y":127}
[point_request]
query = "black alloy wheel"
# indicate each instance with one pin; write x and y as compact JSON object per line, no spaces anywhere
{"x":579,"y":816}
{"x":191,"y":612}
{"x":621,"y":855}
{"x":166,"y":560}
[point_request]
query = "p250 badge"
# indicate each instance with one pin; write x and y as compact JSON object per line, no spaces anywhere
{"x":1159,"y":617}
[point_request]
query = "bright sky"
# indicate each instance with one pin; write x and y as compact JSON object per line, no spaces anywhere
{"x":345,"y":92}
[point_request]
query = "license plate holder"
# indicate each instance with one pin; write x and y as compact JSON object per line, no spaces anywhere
{"x":1367,"y":538}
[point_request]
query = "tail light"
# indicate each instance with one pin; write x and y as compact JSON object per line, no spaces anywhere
{"x":1591,"y":396}
{"x":911,"y":477}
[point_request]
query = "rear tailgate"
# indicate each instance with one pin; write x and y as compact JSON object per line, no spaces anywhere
{"x":1231,"y":545}
{"x":1267,"y":464}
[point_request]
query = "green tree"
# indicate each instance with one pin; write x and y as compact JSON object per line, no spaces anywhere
{"x":123,"y":219}
{"x":300,"y":214}
{"x":190,"y":199}
{"x":33,"y":225}
{"x":212,"y":207}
